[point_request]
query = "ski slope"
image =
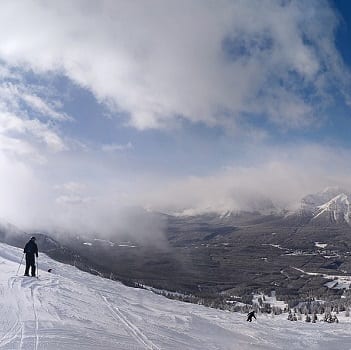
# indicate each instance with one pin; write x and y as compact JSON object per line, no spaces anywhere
{"x":70,"y":309}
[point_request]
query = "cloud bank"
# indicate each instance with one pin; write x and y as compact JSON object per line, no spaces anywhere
{"x":255,"y":68}
{"x":162,"y":61}
{"x":278,"y":183}
{"x":116,"y":206}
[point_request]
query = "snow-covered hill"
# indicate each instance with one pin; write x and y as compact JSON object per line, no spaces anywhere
{"x":70,"y":309}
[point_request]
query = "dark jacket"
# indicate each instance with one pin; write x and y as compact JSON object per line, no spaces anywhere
{"x":31,"y":248}
{"x":250,"y":315}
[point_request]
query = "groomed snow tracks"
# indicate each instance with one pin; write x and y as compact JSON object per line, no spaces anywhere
{"x":132,"y":329}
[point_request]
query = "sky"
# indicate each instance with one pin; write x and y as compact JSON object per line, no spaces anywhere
{"x":172,"y":106}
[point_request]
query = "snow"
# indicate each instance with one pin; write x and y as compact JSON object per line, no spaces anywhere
{"x":111,"y":244}
{"x":272,"y":300}
{"x":312,"y":201}
{"x":273,"y":245}
{"x":104,"y":241}
{"x":320,"y":245}
{"x":71,"y":309}
{"x":338,"y":204}
{"x":299,"y":253}
{"x":127,"y":245}
{"x":338,"y":281}
{"x":225,"y":214}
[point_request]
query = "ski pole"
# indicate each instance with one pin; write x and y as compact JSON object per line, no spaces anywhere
{"x":37,"y":269}
{"x":20,"y":264}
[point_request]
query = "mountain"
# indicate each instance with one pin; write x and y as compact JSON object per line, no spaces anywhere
{"x":313,"y":201}
{"x":70,"y":309}
{"x":332,"y":204}
{"x":247,"y":203}
{"x":337,"y":209}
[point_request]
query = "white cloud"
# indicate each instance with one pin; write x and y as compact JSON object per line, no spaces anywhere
{"x":72,"y":187}
{"x":18,"y":188}
{"x":198,"y":60}
{"x":10,"y":125}
{"x":43,"y":108}
{"x":26,"y":119}
{"x":45,"y":134}
{"x":14,"y":93}
{"x":21,"y":148}
{"x":211,"y":62}
{"x":116,"y":147}
{"x":282,"y":176}
{"x":72,"y":200}
{"x":71,"y":193}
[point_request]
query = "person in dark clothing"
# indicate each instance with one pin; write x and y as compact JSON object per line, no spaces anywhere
{"x":31,"y":250}
{"x":250,"y":315}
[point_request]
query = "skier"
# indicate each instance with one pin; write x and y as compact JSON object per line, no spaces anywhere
{"x":30,"y":250}
{"x":250,"y":315}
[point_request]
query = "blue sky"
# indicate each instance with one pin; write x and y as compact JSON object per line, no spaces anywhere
{"x":172,"y":105}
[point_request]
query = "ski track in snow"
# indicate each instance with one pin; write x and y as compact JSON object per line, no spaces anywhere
{"x":32,"y":285}
{"x":10,"y":335}
{"x":133,"y":329}
{"x":36,"y":321}
{"x":72,"y":310}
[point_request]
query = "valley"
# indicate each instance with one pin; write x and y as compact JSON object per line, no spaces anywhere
{"x":296,"y":254}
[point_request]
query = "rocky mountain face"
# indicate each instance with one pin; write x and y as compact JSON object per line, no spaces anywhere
{"x":331,"y":205}
{"x":312,"y":201}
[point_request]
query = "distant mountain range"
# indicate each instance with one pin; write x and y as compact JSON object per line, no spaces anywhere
{"x":331,"y":205}
{"x":236,"y":251}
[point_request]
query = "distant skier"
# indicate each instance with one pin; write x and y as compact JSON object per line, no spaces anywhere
{"x":31,"y":250}
{"x":250,"y":315}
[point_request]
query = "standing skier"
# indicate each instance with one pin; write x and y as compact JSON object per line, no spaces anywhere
{"x":30,"y":250}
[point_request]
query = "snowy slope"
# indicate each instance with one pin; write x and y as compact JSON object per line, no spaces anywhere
{"x":70,"y":309}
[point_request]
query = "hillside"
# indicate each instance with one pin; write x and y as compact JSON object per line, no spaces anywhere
{"x":71,"y":309}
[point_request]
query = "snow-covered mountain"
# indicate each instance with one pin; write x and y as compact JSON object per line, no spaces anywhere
{"x":243,"y":203}
{"x":332,"y":201}
{"x":332,"y":204}
{"x":312,"y":201}
{"x":337,"y":209}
